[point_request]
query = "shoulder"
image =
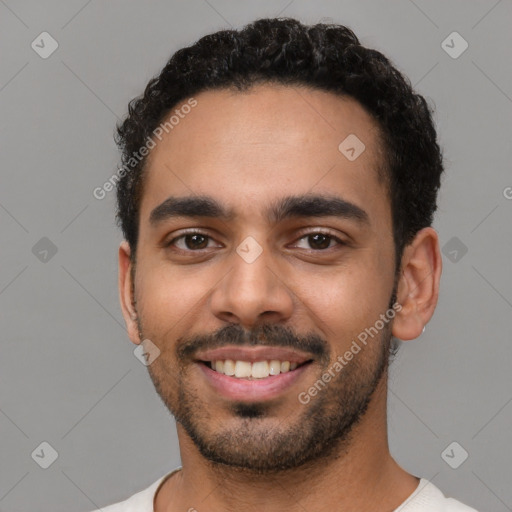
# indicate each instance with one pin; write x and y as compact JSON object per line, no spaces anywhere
{"x":139,"y":502}
{"x":428,"y":498}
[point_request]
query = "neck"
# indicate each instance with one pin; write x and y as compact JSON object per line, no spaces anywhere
{"x":361,"y":476}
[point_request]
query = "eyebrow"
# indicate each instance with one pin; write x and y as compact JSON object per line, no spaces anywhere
{"x":301,"y":206}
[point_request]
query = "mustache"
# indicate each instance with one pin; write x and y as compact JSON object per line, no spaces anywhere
{"x":263,"y":335}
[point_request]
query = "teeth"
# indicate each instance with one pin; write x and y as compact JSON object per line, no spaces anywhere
{"x":242,"y":369}
{"x":260,"y":370}
{"x":274,"y":367}
{"x":229,"y":367}
{"x":256,"y":370}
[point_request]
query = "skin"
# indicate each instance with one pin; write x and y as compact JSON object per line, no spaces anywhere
{"x":247,"y":150}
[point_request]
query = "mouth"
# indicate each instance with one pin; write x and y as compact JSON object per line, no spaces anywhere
{"x":248,"y":370}
{"x":252,"y":373}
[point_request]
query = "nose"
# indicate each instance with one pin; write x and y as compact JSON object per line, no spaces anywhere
{"x":253,"y":292}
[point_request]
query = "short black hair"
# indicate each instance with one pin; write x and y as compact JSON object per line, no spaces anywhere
{"x":327,"y":57}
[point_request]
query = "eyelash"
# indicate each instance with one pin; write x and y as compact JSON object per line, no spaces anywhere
{"x":195,"y":232}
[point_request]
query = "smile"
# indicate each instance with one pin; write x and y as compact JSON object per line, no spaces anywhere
{"x":253,"y":373}
{"x":252,"y":370}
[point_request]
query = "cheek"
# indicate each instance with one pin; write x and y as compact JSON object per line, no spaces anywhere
{"x":347,"y":300}
{"x":166,"y":296}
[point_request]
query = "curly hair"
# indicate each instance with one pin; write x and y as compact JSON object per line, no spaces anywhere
{"x":327,"y":57}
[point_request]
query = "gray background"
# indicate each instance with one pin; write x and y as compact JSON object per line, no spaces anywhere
{"x":68,"y":375}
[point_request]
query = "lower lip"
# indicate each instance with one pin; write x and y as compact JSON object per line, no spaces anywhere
{"x":251,"y":390}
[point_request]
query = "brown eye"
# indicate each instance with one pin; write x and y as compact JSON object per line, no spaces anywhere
{"x":195,"y":241}
{"x":192,"y":241}
{"x":320,"y":241}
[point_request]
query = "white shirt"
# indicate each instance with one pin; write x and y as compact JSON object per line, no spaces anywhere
{"x":426,"y":498}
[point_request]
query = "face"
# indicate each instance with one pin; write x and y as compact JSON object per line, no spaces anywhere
{"x":263,"y":245}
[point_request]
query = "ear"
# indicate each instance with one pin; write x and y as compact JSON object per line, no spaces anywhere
{"x":125,"y":292}
{"x":418,"y":285}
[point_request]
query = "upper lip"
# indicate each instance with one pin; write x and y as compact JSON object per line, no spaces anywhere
{"x":252,"y":354}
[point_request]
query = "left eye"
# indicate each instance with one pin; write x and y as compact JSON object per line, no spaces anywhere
{"x":192,"y":241}
{"x":320,"y":241}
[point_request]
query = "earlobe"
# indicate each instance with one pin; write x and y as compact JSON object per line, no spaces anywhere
{"x":418,"y":285}
{"x":125,"y":292}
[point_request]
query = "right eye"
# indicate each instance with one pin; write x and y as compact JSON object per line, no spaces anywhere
{"x":191,"y":241}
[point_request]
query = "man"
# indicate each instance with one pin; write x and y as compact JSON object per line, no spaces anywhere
{"x":276,"y":196}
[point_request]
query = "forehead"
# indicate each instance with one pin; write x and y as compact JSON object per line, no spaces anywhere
{"x":250,"y":148}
